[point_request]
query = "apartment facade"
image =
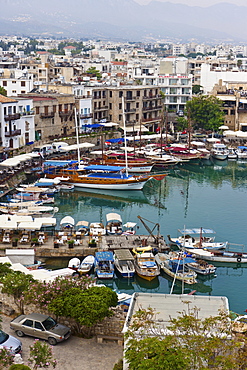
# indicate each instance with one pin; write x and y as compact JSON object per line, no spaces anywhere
{"x":16,"y":122}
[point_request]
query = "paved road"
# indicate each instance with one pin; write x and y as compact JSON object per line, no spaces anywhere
{"x":76,"y":353}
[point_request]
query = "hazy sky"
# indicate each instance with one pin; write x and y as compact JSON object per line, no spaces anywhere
{"x":198,"y":2}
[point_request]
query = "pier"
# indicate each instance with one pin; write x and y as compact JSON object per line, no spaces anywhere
{"x":103,"y":243}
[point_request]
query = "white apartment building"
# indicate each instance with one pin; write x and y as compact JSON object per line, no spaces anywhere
{"x":18,"y":82}
{"x":177,"y":90}
{"x":85,"y":113}
{"x":211,"y":75}
{"x":16,"y":122}
{"x":178,"y":49}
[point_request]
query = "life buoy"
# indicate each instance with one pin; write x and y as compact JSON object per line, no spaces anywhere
{"x":239,"y":259}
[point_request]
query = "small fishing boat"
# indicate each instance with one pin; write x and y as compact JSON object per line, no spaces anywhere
{"x":104,"y":265}
{"x":114,"y":224}
{"x":201,"y":267}
{"x":145,"y":265}
{"x":232,"y":154}
{"x":241,"y":152}
{"x":97,"y":229}
{"x":220,"y":255}
{"x":83,"y":228}
{"x":66,"y":187}
{"x":197,"y":238}
{"x":219,"y":151}
{"x":124,"y":263}
{"x":174,"y":269}
{"x":129,"y":228}
{"x":86,"y":264}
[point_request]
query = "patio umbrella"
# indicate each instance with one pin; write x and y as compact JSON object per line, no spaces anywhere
{"x":241,"y":134}
{"x":223,"y":127}
{"x":229,"y":133}
{"x":67,"y":220}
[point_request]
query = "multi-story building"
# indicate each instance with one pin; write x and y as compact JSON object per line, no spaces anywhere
{"x":16,"y":122}
{"x":16,"y":82}
{"x":54,"y":115}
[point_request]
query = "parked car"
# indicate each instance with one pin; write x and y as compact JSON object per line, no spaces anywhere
{"x":10,"y":342}
{"x":40,"y":326}
{"x":180,"y":113}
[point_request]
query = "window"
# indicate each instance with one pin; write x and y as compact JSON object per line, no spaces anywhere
{"x":23,"y":91}
{"x":137,"y":105}
{"x":120,"y":105}
{"x":54,"y":108}
{"x":13,"y":82}
{"x":14,"y":109}
{"x":28,"y":322}
{"x":185,"y":90}
{"x":184,"y":99}
{"x":37,"y":110}
{"x":13,"y":91}
{"x":110,"y":105}
{"x":173,"y":99}
{"x":120,"y":94}
{"x":184,"y":81}
{"x":23,"y":83}
{"x":173,"y":81}
{"x":138,"y":93}
{"x":38,"y":325}
{"x":4,"y":83}
{"x":110,"y":94}
{"x":173,"y":90}
{"x":120,"y":117}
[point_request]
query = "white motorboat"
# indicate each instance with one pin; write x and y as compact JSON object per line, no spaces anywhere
{"x":124,"y":262}
{"x":197,"y":238}
{"x":241,"y":152}
{"x":219,"y":151}
{"x":232,"y":154}
{"x":114,"y":224}
{"x":97,"y":229}
{"x":220,"y":255}
{"x":86,"y":265}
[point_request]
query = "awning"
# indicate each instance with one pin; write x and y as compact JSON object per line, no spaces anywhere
{"x":113,"y":216}
{"x":135,"y":128}
{"x":31,"y":225}
{"x":123,"y":255}
{"x":67,"y":220}
{"x":98,"y":167}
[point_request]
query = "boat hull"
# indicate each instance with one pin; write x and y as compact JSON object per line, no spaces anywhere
{"x":115,"y":186}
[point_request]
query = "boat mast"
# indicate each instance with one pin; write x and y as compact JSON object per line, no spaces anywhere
{"x":125,"y":144}
{"x":77,"y":139}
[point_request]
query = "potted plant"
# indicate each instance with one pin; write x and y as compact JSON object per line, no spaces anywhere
{"x":35,"y":241}
{"x":92,"y":243}
{"x":15,"y":242}
{"x":71,"y":243}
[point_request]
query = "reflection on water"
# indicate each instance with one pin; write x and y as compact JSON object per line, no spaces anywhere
{"x":211,"y":194}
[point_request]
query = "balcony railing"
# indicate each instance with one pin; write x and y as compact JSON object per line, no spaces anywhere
{"x":157,"y":96}
{"x":130,"y":110}
{"x":152,"y":119}
{"x":158,"y":107}
{"x":65,"y":113}
{"x":104,"y":107}
{"x":47,"y":115}
{"x":12,"y":117}
{"x":85,"y":116}
{"x":12,"y":133}
{"x":130,"y":98}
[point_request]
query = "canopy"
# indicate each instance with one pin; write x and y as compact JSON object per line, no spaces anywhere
{"x":110,"y":124}
{"x":241,"y":134}
{"x":8,"y":225}
{"x":76,"y":146}
{"x":123,"y":255}
{"x":10,"y":162}
{"x":135,"y":128}
{"x":129,"y":224}
{"x":46,"y":221}
{"x":104,"y":256}
{"x":229,"y":133}
{"x":199,"y":230}
{"x":223,"y":127}
{"x":98,"y":167}
{"x":30,"y":225}
{"x":18,"y":218}
{"x":94,"y":125}
{"x":117,"y":140}
{"x":113,"y":216}
{"x":82,"y":223}
{"x":67,"y":220}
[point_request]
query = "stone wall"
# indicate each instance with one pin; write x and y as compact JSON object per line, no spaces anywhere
{"x":110,"y":326}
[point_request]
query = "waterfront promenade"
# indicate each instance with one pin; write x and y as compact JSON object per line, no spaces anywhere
{"x":50,"y":247}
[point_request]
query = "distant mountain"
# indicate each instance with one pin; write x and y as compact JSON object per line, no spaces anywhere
{"x":123,"y":20}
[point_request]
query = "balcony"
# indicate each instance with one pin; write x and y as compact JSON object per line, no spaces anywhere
{"x":152,"y":119}
{"x":242,"y":110}
{"x":129,"y":98}
{"x":85,"y":116}
{"x":12,"y":117}
{"x":65,"y":113}
{"x":12,"y":133}
{"x":132,"y":110}
{"x":158,"y":107}
{"x":104,"y":107}
{"x":29,"y":113}
{"x":157,"y":96}
{"x":47,"y":115}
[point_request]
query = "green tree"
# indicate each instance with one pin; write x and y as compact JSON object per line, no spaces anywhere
{"x":87,"y":307}
{"x":182,"y":124}
{"x":196,"y":89}
{"x":205,"y":112}
{"x":15,"y":284}
{"x":3,"y":91}
{"x":187,"y":342}
{"x":94,"y":72}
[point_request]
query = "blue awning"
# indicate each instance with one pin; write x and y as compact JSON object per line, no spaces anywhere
{"x":94,"y":125}
{"x":104,"y":256}
{"x":58,"y":163}
{"x":97,"y":167}
{"x":118,"y":140}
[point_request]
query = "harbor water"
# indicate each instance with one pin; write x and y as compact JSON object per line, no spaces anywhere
{"x":210,"y":194}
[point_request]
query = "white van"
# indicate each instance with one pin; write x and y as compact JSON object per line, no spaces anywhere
{"x":43,"y":150}
{"x":58,"y":146}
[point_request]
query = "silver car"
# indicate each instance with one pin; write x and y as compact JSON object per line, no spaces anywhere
{"x":10,"y":342}
{"x":40,"y":326}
